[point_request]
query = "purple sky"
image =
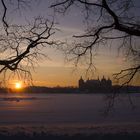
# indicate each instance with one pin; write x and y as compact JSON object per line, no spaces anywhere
{"x":56,"y":71}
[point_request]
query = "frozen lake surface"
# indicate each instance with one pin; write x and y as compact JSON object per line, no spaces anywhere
{"x":67,"y":109}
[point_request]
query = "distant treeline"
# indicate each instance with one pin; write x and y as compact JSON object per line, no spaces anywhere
{"x":41,"y":89}
{"x":38,"y":89}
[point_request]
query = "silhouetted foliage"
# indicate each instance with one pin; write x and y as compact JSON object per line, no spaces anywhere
{"x":96,"y":136}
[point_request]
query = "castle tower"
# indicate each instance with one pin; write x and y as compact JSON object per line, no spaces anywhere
{"x":81,"y":82}
{"x":109,"y":82}
{"x":103,"y":80}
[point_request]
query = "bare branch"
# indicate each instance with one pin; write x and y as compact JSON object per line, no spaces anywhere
{"x":110,"y":22}
{"x":4,"y":16}
{"x":128,"y":73}
{"x":24,"y":44}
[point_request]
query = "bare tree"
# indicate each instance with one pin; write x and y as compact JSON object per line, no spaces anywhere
{"x":107,"y":21}
{"x":21,"y":45}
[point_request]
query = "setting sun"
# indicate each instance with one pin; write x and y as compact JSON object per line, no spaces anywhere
{"x":18,"y":85}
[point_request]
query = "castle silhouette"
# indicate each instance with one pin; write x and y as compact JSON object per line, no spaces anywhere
{"x":95,"y":85}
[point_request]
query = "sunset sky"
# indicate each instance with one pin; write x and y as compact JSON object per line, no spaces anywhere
{"x":56,"y":71}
